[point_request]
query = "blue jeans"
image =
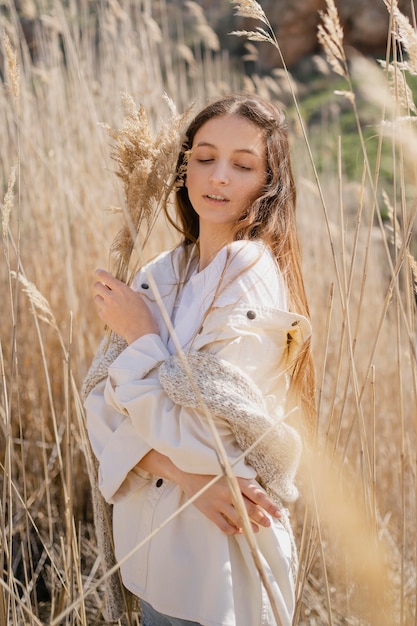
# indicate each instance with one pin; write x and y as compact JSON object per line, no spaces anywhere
{"x":150,"y":617}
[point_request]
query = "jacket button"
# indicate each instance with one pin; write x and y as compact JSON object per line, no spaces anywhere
{"x":159,"y":482}
{"x":145,"y":286}
{"x":251,"y":315}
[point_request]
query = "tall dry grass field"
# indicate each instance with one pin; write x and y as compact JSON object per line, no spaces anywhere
{"x":355,"y":521}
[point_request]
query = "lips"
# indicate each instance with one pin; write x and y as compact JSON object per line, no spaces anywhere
{"x":216,"y":197}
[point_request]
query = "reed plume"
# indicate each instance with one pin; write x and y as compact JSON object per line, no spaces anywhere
{"x":12,"y":68}
{"x":406,"y":37}
{"x":253,"y":10}
{"x":40,"y":304}
{"x":202,"y":27}
{"x":405,"y":34}
{"x":146,"y":165}
{"x":330,"y":37}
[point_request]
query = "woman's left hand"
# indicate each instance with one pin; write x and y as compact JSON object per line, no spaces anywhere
{"x":122,"y":309}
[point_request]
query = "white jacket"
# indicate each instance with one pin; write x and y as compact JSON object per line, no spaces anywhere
{"x":235,"y":308}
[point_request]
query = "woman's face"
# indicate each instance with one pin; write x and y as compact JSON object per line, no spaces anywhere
{"x":226,"y":170}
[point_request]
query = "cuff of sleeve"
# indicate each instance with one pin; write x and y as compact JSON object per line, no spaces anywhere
{"x":136,"y":479}
{"x":138,"y":359}
{"x":118,"y":459}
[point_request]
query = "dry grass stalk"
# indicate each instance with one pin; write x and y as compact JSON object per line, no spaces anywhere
{"x":405,"y":40}
{"x":40,"y":303}
{"x":13,"y":70}
{"x":8,"y":203}
{"x":206,"y":34}
{"x":251,"y":9}
{"x":330,"y":36}
{"x":405,"y":34}
{"x":400,"y":90}
{"x":396,"y":238}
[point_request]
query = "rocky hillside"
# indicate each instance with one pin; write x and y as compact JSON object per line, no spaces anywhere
{"x":365,"y":24}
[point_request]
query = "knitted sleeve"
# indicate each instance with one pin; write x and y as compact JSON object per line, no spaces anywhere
{"x":110,"y":347}
{"x":230,"y":394}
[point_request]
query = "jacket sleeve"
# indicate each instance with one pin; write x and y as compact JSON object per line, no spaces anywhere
{"x":114,"y":440}
{"x":181,"y":434}
{"x":117,"y":446}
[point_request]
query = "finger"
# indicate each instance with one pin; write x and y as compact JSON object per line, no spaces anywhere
{"x":98,"y":300}
{"x":230,"y":513}
{"x":258,"y":496}
{"x":269,"y":506}
{"x":100,"y":289}
{"x":107,"y":279}
{"x":256,"y":514}
{"x":225,"y":525}
{"x":102,"y":276}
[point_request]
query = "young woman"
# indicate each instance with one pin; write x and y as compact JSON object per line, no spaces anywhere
{"x":234,"y":304}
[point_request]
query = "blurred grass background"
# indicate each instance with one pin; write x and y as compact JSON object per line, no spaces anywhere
{"x":356,"y":180}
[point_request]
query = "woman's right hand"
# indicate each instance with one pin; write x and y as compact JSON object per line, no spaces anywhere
{"x":216,"y":502}
{"x":122,"y":309}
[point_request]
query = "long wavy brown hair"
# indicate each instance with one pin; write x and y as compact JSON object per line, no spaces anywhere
{"x":270,"y":218}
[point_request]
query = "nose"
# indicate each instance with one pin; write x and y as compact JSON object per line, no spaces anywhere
{"x":219,"y":175}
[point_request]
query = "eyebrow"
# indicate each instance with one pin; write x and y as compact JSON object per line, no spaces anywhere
{"x":207,"y":144}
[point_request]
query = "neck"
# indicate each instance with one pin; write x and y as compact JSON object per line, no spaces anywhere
{"x":210,"y":243}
